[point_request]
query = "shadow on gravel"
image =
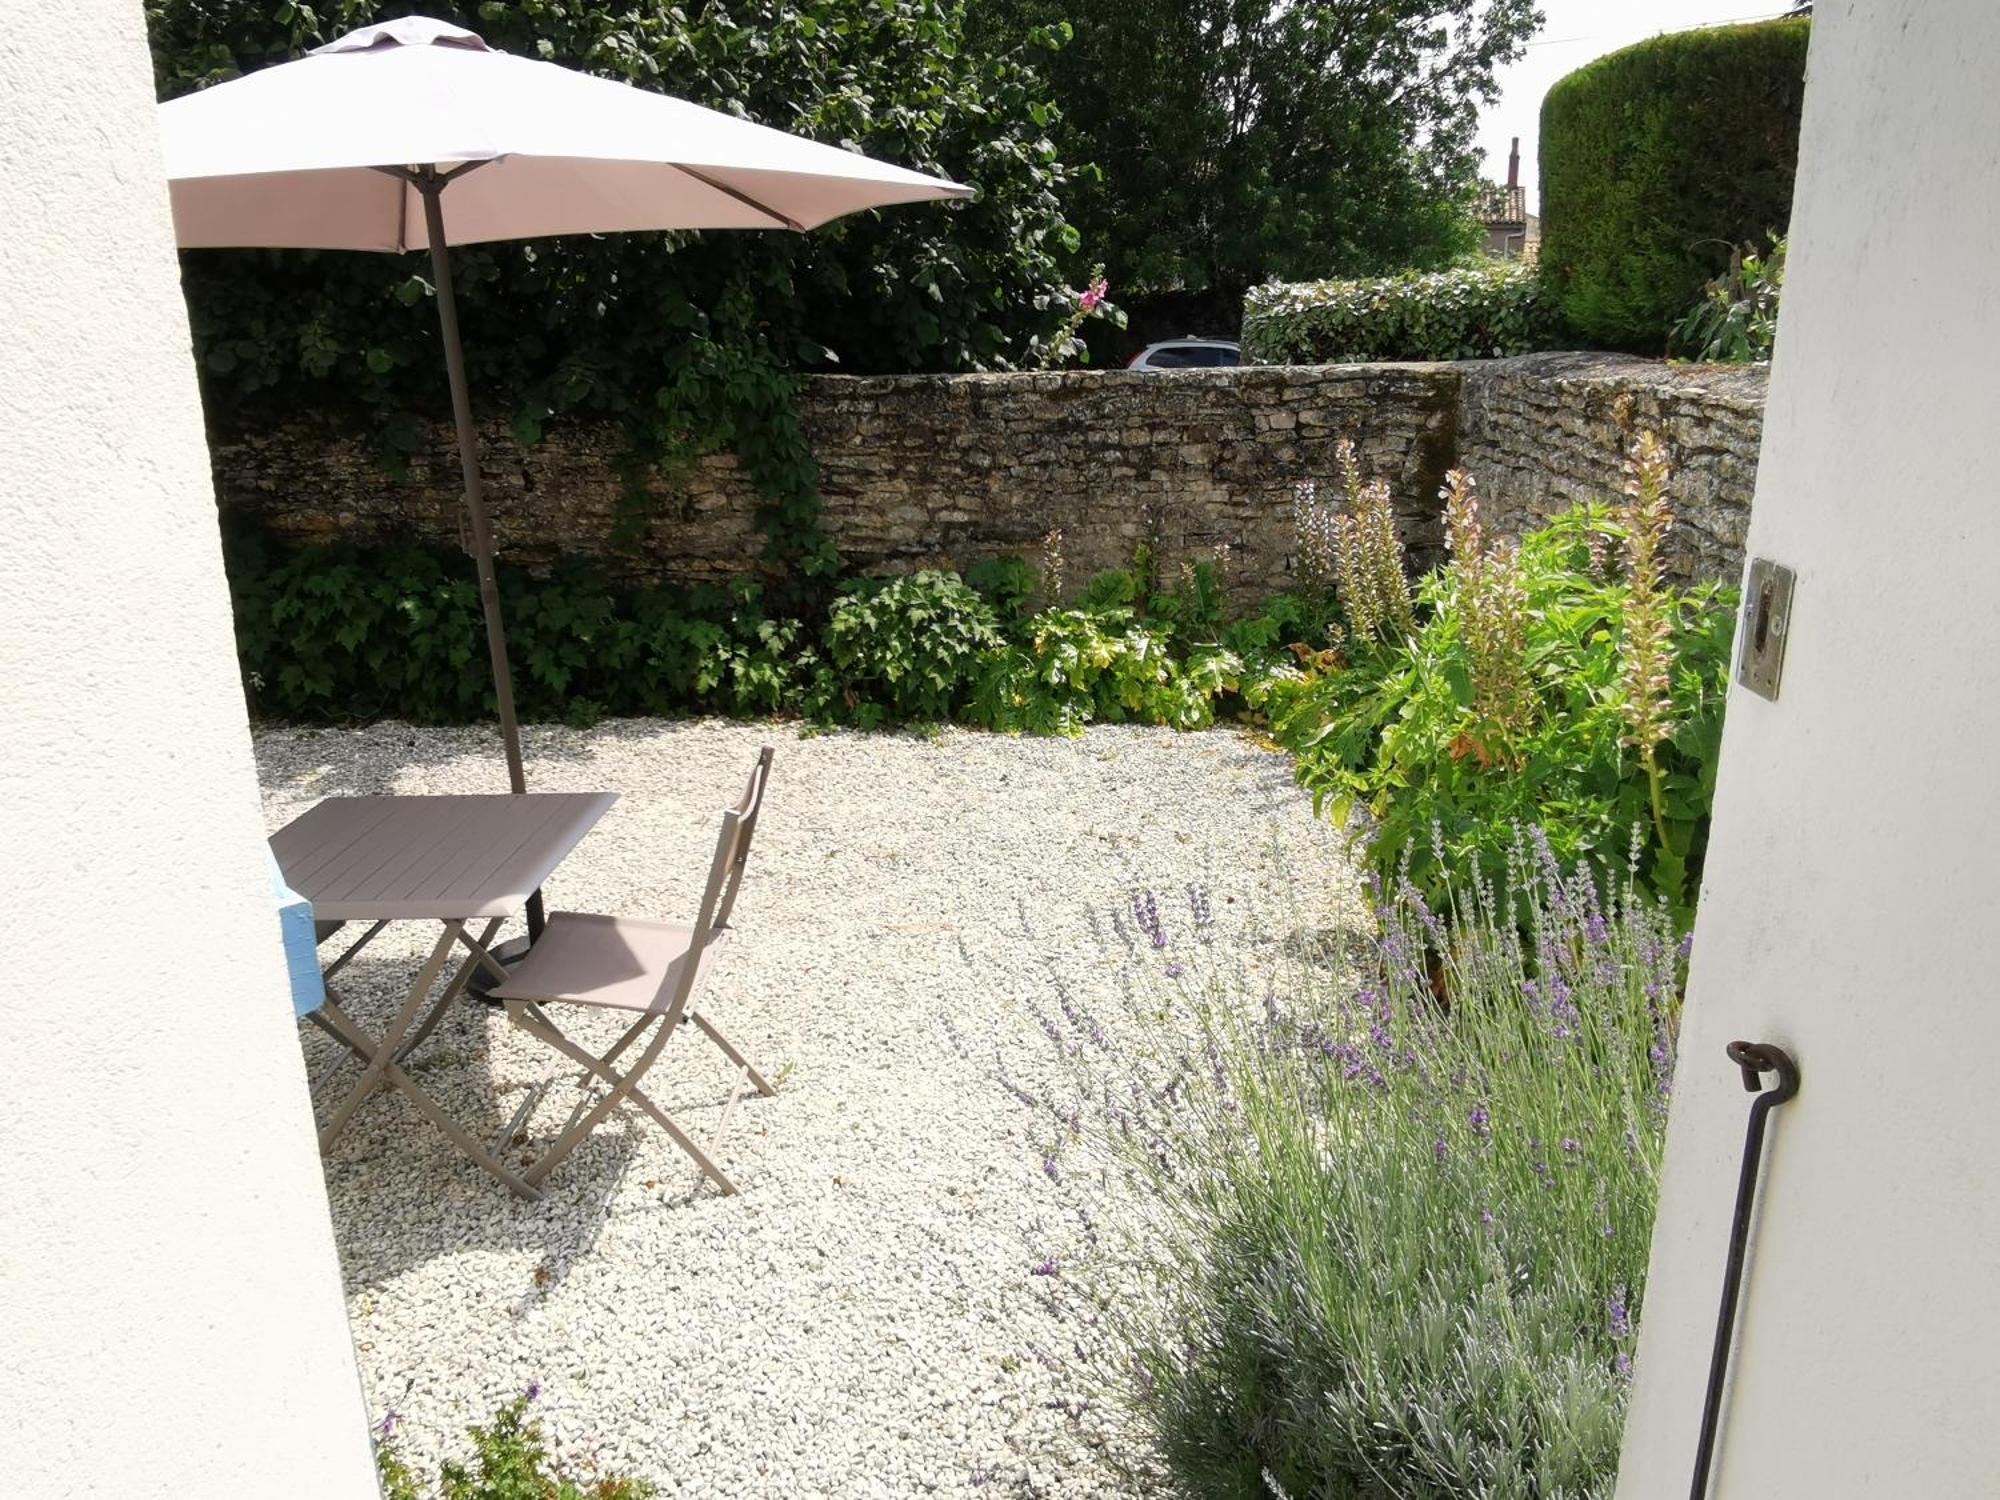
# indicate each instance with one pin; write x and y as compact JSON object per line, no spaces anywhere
{"x":400,"y":1192}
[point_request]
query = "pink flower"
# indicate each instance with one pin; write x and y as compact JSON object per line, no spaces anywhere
{"x":1095,"y":294}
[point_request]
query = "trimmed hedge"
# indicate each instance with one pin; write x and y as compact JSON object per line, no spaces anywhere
{"x":1659,"y":160}
{"x":1473,"y":312}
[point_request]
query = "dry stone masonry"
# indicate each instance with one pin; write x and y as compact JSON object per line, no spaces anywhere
{"x":943,"y":470}
{"x":1545,"y":431}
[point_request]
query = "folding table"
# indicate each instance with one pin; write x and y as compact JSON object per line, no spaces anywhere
{"x":453,"y":860}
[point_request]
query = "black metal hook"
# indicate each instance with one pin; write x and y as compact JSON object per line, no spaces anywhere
{"x":1755,"y":1059}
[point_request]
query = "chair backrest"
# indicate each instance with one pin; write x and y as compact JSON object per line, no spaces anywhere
{"x":725,"y":875}
{"x":739,"y":847}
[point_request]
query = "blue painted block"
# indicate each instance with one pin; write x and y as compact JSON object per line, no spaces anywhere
{"x":295,"y":920}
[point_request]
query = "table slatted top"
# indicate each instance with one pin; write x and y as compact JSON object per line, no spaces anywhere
{"x":436,"y":858}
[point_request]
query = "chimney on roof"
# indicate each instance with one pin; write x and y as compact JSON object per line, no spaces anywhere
{"x":1514,"y":163}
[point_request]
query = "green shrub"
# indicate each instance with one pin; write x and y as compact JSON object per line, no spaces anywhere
{"x":1393,"y":1242}
{"x":1470,"y":313}
{"x":349,"y":632}
{"x":1657,"y":161}
{"x":510,"y":1462}
{"x":1076,"y":667}
{"x":906,"y":648}
{"x":1008,"y":584}
{"x":1736,"y":321}
{"x":1449,"y":751}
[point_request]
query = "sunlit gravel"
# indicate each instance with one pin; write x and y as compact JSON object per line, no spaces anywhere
{"x":878,"y":1312}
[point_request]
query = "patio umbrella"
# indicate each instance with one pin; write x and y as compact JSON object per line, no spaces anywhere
{"x":416,"y":133}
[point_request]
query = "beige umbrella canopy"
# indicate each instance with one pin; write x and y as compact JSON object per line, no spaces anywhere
{"x":416,"y":133}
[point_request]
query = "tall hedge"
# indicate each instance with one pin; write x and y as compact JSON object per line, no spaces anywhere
{"x":1655,"y":161}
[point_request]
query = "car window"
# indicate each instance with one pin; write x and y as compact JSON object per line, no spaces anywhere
{"x":1190,"y":356}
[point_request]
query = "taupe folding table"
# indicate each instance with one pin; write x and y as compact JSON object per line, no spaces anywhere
{"x":453,"y":860}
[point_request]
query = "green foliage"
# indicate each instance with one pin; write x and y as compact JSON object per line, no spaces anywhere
{"x":1397,"y":731}
{"x":1736,"y":321}
{"x":510,"y":1462}
{"x":345,"y":632}
{"x":1076,"y":667}
{"x":1391,"y":1243}
{"x":906,"y":648}
{"x":688,"y":341}
{"x":1657,"y":161}
{"x":1239,"y":141}
{"x":1472,"y":312}
{"x":1008,"y":585}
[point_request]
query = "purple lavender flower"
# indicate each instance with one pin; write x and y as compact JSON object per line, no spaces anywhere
{"x":1618,"y":1316}
{"x":1481,"y":1122}
{"x":1623,"y":1365}
{"x":1146,"y":913}
{"x":1175,"y":970}
{"x":1486,"y":1217}
{"x":1050,"y":1170}
{"x":1046,"y":1267}
{"x":1441,"y":1149}
{"x":1414,"y":899}
{"x":1570,"y":1145}
{"x":387,"y":1426}
{"x":534,"y":1392}
{"x":1595,"y":931}
{"x":1204,"y":914}
{"x":1551,"y":867}
{"x":1563,"y":1014}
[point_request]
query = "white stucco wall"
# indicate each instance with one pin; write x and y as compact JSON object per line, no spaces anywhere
{"x":1853,"y":887}
{"x":171,"y":1320}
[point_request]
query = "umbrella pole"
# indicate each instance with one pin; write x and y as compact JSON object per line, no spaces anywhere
{"x":431,"y":184}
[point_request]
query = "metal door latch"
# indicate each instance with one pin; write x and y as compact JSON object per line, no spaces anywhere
{"x":1767,"y":617}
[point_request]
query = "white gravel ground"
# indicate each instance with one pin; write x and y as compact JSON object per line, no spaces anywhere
{"x":865,"y":1319}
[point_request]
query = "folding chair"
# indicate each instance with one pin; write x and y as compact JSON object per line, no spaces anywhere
{"x":622,"y":963}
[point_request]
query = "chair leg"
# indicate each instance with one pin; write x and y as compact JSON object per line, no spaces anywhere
{"x":757,"y":1080}
{"x":623,"y":1086}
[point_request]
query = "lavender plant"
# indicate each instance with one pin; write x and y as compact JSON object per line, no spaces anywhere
{"x":1389,"y":1238}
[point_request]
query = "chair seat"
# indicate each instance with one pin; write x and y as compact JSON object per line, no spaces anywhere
{"x":621,"y":962}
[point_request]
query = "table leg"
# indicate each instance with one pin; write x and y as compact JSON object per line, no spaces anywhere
{"x":453,"y":990}
{"x":383,"y":1053}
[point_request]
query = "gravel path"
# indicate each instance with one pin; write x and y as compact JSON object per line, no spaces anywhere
{"x":866,"y":1318}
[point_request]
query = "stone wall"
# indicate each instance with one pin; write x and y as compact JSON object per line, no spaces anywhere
{"x":1545,"y":431}
{"x":946,"y":470}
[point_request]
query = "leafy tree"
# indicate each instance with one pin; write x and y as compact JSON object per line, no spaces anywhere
{"x":689,"y":339}
{"x":1240,"y":139}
